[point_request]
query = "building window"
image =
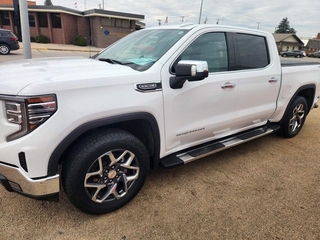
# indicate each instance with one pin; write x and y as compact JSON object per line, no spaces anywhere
{"x":125,"y":24}
{"x":5,"y":19}
{"x":32,"y":22}
{"x":112,"y":22}
{"x":119,"y":23}
{"x":43,"y":20}
{"x":56,"y":20}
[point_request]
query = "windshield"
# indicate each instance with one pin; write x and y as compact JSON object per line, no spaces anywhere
{"x":141,"y":49}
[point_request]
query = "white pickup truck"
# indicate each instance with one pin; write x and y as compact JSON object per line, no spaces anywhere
{"x":160,"y":96}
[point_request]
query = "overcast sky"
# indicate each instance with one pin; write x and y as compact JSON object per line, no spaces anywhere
{"x":303,"y":15}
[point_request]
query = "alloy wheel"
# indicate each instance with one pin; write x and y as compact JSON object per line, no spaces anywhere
{"x":111,"y":176}
{"x":297,"y":117}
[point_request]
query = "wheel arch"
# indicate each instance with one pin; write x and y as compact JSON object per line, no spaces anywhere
{"x":142,"y":125}
{"x":306,"y":91}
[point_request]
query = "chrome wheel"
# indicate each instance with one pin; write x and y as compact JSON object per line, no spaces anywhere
{"x":4,"y":49}
{"x":104,"y":170}
{"x":297,"y":118}
{"x":111,"y":176}
{"x":294,"y":118}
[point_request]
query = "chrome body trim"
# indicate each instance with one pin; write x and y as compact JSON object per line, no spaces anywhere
{"x":38,"y":187}
{"x":225,"y":144}
{"x":148,"y":87}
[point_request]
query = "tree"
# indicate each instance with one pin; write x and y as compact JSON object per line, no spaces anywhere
{"x":284,"y":27}
{"x":48,"y":3}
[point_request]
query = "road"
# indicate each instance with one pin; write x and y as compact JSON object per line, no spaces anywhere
{"x":265,"y":189}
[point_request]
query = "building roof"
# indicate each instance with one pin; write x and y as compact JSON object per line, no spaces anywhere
{"x":106,"y":13}
{"x":313,"y":43}
{"x":88,"y":13}
{"x":281,"y":37}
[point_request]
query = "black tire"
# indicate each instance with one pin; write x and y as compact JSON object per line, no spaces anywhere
{"x":4,"y":49}
{"x":284,"y":55}
{"x":298,"y":56}
{"x":104,"y":171}
{"x":295,"y":117}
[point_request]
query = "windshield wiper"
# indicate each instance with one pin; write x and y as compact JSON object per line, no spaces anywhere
{"x":112,"y":61}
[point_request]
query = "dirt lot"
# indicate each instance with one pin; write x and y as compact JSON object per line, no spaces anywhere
{"x":265,"y":189}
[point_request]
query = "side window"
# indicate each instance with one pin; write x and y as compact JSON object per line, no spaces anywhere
{"x":253,"y":51}
{"x":210,"y":47}
{"x":56,"y":20}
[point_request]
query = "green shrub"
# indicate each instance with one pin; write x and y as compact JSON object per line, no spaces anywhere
{"x":41,"y":39}
{"x":79,"y":41}
{"x":32,"y":39}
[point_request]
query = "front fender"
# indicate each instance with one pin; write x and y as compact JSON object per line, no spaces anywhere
{"x":76,"y":133}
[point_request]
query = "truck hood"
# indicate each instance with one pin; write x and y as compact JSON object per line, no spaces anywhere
{"x":18,"y":77}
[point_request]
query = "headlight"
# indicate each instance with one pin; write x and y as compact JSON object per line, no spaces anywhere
{"x":28,"y":112}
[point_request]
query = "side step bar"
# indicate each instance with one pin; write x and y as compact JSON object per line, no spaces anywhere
{"x":216,"y":146}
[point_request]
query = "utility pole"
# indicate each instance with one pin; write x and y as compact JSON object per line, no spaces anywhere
{"x":159,"y":21}
{"x":182,"y":18}
{"x":258,"y":25}
{"x":200,"y":11}
{"x":25,"y":29}
{"x":218,"y":20}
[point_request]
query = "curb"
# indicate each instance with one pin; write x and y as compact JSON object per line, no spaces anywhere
{"x":64,"y":49}
{"x":69,"y":50}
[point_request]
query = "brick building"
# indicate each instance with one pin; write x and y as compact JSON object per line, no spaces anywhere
{"x":313,"y":45}
{"x":61,"y":24}
{"x":10,"y":2}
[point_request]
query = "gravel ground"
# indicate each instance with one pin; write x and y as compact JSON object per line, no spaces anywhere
{"x":265,"y":189}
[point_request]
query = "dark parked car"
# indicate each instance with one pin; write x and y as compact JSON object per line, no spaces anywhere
{"x":293,"y":53}
{"x":8,"y":41}
{"x":314,"y":54}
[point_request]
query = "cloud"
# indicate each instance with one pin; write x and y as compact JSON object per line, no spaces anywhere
{"x":245,"y":13}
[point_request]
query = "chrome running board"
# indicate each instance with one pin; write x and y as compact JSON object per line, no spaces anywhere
{"x":216,"y":146}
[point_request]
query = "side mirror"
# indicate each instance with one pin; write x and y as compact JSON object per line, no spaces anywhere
{"x":189,"y":70}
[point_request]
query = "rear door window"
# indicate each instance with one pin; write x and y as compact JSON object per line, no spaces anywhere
{"x":252,"y":51}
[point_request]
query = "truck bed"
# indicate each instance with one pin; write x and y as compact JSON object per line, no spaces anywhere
{"x":293,"y":63}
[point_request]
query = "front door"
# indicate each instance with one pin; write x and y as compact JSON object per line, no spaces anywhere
{"x":202,"y":110}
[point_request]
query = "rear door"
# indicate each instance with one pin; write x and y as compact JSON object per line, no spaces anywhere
{"x":259,"y":82}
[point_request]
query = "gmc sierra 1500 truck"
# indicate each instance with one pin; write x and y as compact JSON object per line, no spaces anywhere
{"x":163,"y":96}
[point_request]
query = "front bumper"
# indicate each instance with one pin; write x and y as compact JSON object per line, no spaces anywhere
{"x":15,"y":180}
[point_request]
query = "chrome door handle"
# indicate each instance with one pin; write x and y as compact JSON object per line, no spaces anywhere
{"x":273,"y":79}
{"x":228,"y":85}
